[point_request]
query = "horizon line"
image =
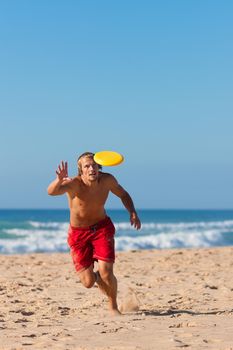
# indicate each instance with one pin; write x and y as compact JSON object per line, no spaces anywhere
{"x":123,"y":209}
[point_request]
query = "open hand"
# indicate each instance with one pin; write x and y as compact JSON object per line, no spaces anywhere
{"x":62,"y":171}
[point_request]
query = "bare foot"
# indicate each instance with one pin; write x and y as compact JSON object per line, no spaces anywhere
{"x":107,"y":291}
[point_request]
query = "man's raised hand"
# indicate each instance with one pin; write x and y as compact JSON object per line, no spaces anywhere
{"x":62,"y":171}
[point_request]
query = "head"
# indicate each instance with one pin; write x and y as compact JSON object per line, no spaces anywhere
{"x":87,"y":166}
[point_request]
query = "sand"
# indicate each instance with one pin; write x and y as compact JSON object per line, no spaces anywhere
{"x":171,"y":299}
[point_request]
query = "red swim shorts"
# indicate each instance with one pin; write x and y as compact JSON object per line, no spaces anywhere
{"x":92,"y":243}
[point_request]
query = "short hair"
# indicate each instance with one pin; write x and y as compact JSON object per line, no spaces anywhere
{"x":85,"y":155}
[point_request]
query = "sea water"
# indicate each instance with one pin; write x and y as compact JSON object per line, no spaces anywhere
{"x":31,"y":231}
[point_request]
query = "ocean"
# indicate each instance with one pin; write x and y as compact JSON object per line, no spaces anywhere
{"x":38,"y":231}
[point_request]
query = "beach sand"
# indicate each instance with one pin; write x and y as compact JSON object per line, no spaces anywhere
{"x":181,"y":298}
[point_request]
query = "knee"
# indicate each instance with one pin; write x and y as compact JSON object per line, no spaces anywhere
{"x":87,"y":282}
{"x":106,"y":275}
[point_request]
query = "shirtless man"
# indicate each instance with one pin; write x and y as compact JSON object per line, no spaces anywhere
{"x":91,"y":231}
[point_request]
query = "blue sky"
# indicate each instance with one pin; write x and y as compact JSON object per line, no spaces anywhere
{"x":150,"y":79}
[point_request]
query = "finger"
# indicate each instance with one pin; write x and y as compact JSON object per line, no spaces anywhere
{"x":136,"y":224}
{"x":66,"y":167}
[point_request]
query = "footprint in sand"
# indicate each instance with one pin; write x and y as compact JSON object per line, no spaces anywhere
{"x":130,"y":302}
{"x":183,"y":324}
{"x":23,"y":312}
{"x":29,"y":335}
{"x":64,"y":310}
{"x":180,"y":343}
{"x":27,"y":313}
{"x":22,"y":320}
{"x":210,"y":286}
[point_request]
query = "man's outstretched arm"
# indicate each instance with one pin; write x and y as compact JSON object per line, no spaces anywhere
{"x":127,"y":201}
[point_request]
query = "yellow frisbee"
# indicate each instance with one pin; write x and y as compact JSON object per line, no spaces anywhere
{"x":108,"y":158}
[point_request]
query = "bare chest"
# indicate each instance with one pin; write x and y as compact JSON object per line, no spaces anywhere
{"x":97,"y":194}
{"x":90,"y":196}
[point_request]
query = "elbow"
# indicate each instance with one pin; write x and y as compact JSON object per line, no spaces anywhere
{"x":125,"y":197}
{"x":50,"y":192}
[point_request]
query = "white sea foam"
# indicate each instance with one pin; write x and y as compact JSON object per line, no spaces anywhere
{"x":34,"y":241}
{"x":58,"y":225}
{"x":29,"y":246}
{"x":175,"y":226}
{"x":169,"y":240}
{"x":47,"y":241}
{"x":52,"y":236}
{"x":148,"y":225}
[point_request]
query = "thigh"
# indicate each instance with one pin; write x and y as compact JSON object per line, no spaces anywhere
{"x":104,"y":244}
{"x":80,"y":248}
{"x":82,"y":257}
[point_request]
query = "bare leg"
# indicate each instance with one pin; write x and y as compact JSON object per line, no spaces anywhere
{"x":87,"y":277}
{"x":107,"y":283}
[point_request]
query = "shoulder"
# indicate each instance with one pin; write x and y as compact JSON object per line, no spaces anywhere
{"x":71,"y":183}
{"x":107,"y":177}
{"x":108,"y":180}
{"x":76,"y":181}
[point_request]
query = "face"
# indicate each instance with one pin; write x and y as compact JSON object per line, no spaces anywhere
{"x":90,"y":169}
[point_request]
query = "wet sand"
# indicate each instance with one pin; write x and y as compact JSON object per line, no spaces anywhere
{"x":170,"y":299}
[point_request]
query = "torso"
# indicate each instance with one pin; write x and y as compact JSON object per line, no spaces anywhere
{"x":87,"y":202}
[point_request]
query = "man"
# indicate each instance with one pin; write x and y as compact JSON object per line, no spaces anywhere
{"x":91,"y":231}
